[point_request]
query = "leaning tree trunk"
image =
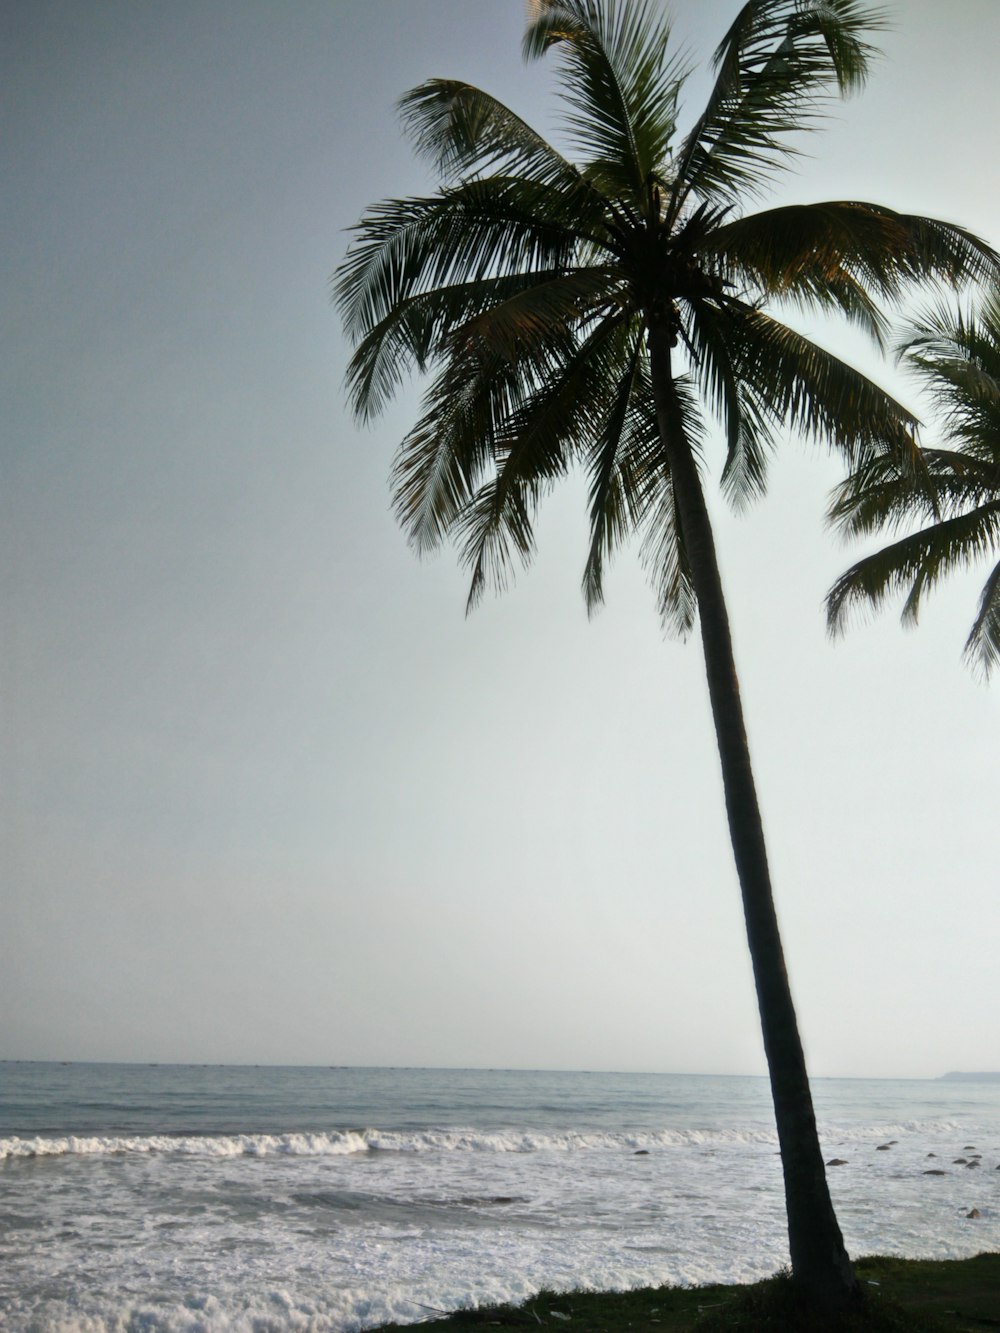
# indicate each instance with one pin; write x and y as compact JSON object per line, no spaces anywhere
{"x":820,"y":1264}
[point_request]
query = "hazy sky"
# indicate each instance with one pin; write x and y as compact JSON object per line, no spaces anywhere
{"x":267,"y":794}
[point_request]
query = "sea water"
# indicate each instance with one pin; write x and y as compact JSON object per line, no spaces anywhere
{"x":204,"y":1199}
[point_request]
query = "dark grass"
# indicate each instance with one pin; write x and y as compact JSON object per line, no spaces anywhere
{"x":920,"y":1295}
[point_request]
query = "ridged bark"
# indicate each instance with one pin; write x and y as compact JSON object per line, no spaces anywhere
{"x":820,"y":1263}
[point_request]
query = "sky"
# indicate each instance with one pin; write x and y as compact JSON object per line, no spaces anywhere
{"x":268,"y":795}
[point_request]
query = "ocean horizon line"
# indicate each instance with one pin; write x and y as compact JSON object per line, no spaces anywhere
{"x":949,"y":1075}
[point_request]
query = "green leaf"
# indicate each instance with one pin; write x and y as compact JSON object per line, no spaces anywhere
{"x":773,"y":68}
{"x":620,"y":88}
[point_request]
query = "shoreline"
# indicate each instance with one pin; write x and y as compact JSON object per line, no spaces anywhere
{"x":957,"y":1295}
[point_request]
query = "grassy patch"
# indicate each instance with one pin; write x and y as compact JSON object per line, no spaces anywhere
{"x":918,"y":1295}
{"x":961,"y":1293}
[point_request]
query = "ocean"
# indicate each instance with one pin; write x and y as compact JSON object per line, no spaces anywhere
{"x":192,"y":1199}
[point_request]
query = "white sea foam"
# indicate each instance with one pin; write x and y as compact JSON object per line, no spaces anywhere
{"x":232,"y":1145}
{"x":341,"y":1143}
{"x":332,"y":1231}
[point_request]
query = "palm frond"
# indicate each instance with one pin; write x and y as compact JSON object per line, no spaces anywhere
{"x":663,"y":550}
{"x":465,"y":132}
{"x":982,"y":647}
{"x":790,"y":379}
{"x":455,"y":446}
{"x":479,"y":229}
{"x":773,"y":67}
{"x":415,"y":329}
{"x":554,"y":307}
{"x":845,"y":253}
{"x":947,"y":253}
{"x":554,"y":422}
{"x":955,"y":355}
{"x":644,"y":495}
{"x":621,"y":89}
{"x":496,"y":531}
{"x":748,"y":430}
{"x":915,"y":564}
{"x":608,"y":501}
{"x":442,"y":460}
{"x":882,"y":496}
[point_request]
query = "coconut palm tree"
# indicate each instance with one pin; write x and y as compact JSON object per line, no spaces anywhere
{"x":955,"y":354}
{"x":585,"y":310}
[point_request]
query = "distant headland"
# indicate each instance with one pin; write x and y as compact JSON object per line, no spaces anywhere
{"x":980,"y":1077}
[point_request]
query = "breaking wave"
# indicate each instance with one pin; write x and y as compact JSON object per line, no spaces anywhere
{"x":340,"y":1143}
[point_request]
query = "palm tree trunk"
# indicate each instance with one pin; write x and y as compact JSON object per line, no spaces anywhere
{"x":820,"y":1264}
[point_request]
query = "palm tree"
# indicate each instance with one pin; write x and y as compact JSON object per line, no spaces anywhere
{"x":583,"y":314}
{"x":955,"y":493}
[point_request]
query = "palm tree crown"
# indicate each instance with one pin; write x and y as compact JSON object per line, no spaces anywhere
{"x":585,"y":310}
{"x":528,"y":283}
{"x":956,"y":492}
